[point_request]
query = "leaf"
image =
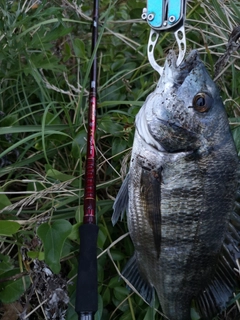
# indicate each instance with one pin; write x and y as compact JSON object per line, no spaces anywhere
{"x":79,"y":48}
{"x":74,"y":235}
{"x":114,"y":282}
{"x":41,"y":256}
{"x":56,"y":33}
{"x":150,"y":313}
{"x":102,"y":236}
{"x":79,"y":214}
{"x":51,"y":119}
{"x":9,"y":120}
{"x":71,"y":313}
{"x":62,"y":177}
{"x":33,"y":254}
{"x":73,"y":264}
{"x":67,"y":248}
{"x":100,"y":272}
{"x":5,"y":264}
{"x":4,"y":201}
{"x":98,"y":314}
{"x":79,"y":145}
{"x":118,"y":146}
{"x":11,"y":291}
{"x":120,"y":293}
{"x":117,"y":63}
{"x":53,"y":237}
{"x":117,"y":255}
{"x":127,"y":315}
{"x":106,"y":296}
{"x":109,"y":126}
{"x":8,"y":228}
{"x":66,"y":52}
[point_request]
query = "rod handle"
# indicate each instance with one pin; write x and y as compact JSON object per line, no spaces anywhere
{"x":87,"y":283}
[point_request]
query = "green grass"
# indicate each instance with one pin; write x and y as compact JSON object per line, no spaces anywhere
{"x":45,"y":64}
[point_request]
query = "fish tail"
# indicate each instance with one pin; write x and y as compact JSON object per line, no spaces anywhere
{"x":217,"y":294}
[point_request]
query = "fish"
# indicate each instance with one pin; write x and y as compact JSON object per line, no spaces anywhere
{"x":180,"y":195}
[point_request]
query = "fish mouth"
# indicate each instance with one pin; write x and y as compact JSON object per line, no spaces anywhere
{"x":167,"y":110}
{"x":179,"y":73}
{"x":163,"y":122}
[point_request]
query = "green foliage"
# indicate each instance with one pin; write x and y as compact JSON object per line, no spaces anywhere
{"x":13,"y":290}
{"x":4,"y":201}
{"x":53,"y":237}
{"x":11,"y":287}
{"x":8,"y":228}
{"x":45,"y":65}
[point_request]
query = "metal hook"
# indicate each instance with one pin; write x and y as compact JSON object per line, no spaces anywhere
{"x":153,"y":37}
{"x":181,"y":41}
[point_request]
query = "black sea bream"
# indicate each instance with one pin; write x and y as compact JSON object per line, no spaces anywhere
{"x":179,"y":194}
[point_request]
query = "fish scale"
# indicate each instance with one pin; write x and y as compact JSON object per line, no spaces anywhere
{"x":179,"y":195}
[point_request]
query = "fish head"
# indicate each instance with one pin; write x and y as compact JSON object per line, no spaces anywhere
{"x":185,"y":112}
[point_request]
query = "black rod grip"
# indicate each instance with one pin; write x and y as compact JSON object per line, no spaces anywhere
{"x":87,"y":283}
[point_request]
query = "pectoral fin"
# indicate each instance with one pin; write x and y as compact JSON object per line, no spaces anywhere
{"x":121,"y":202}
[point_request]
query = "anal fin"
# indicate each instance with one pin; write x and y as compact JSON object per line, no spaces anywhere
{"x":132,"y":273}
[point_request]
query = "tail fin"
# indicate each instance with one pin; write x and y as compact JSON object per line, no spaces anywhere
{"x":216,"y":296}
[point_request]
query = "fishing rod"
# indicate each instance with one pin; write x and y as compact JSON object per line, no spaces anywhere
{"x":86,"y":303}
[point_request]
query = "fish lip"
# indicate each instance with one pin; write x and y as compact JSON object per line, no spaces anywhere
{"x":177,"y":74}
{"x":189,"y":61}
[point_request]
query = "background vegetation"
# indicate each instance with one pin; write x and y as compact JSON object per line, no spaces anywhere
{"x":45,"y":60}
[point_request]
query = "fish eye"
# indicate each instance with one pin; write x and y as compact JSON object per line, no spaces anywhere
{"x":202,"y":102}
